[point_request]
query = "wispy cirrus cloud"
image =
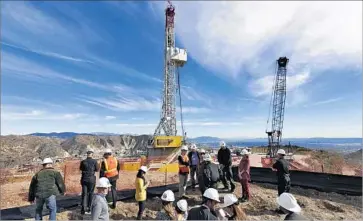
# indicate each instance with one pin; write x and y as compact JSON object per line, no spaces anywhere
{"x":50,"y":36}
{"x":13,"y":65}
{"x":49,"y":54}
{"x":327,"y":101}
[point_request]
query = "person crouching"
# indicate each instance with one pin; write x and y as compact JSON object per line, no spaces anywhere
{"x":168,"y":211}
{"x":232,"y":208}
{"x":289,"y":206}
{"x":99,"y":207}
{"x":181,"y":209}
{"x":141,"y":186}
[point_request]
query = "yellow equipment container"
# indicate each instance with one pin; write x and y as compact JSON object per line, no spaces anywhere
{"x":131,"y":166}
{"x":167,"y":141}
{"x":170,"y":168}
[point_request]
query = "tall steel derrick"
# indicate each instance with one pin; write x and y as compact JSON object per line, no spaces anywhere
{"x":172,"y":61}
{"x":278,"y":107}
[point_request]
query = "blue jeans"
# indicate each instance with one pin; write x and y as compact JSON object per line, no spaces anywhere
{"x":51,"y":205}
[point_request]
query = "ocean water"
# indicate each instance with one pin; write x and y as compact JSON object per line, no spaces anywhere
{"x":345,"y":145}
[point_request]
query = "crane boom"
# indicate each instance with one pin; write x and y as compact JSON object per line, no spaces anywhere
{"x":278,"y":107}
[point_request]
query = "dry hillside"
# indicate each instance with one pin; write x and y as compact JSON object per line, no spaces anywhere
{"x":19,"y":150}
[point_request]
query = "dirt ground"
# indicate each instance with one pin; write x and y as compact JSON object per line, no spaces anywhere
{"x":15,"y":193}
{"x":315,"y":205}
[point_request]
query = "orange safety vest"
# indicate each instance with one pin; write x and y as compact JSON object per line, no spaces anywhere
{"x":111,"y":167}
{"x":183,"y":168}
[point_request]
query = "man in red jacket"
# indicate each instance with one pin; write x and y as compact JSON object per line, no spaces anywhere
{"x":244,"y":175}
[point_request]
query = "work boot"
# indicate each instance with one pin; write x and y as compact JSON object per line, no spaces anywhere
{"x":82,"y":211}
{"x":233,"y":188}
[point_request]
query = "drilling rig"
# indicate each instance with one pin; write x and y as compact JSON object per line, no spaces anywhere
{"x":165,"y":139}
{"x":278,"y":107}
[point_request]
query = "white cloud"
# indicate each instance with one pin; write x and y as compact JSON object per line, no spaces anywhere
{"x":263,"y":85}
{"x":226,"y":36}
{"x":110,"y":117}
{"x":38,"y":115}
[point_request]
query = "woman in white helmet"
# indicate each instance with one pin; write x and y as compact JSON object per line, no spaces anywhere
{"x":289,"y":206}
{"x":168,"y":211}
{"x":141,"y":186}
{"x":99,"y":207}
{"x":181,"y":210}
{"x":232,"y":210}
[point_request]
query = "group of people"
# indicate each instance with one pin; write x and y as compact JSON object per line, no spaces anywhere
{"x":48,"y":183}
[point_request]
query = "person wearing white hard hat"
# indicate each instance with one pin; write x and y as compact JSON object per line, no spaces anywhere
{"x":99,"y":207}
{"x":282,"y":172}
{"x":44,"y":187}
{"x":110,"y":168}
{"x":244,"y":175}
{"x":232,"y":209}
{"x":183,"y":161}
{"x":181,"y":210}
{"x":168,"y":210}
{"x":141,"y":186}
{"x":209,"y":174}
{"x":207,"y":210}
{"x":225,"y":162}
{"x":194,"y":158}
{"x":88,"y":168}
{"x":289,"y":206}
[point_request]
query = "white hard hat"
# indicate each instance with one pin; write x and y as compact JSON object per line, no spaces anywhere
{"x":281,"y":151}
{"x":90,"y":150}
{"x":143,"y":168}
{"x":47,"y":161}
{"x":194,"y":147}
{"x":103,"y":182}
{"x":245,"y":152}
{"x":108,"y":150}
{"x":184,"y":148}
{"x":288,"y":201}
{"x":182,"y":205}
{"x":222,"y":144}
{"x":212,"y":194}
{"x":202,"y":151}
{"x":229,"y":199}
{"x":168,"y":196}
{"x":207,"y":157}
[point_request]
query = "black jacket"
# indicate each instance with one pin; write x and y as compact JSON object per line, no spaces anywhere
{"x":294,"y":216}
{"x":225,"y":157}
{"x":45,"y":183}
{"x":282,"y":167}
{"x":103,"y":169}
{"x":190,"y":157}
{"x":88,"y":167}
{"x":201,"y":213}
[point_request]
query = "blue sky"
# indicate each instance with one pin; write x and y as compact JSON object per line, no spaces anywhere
{"x":97,"y":66}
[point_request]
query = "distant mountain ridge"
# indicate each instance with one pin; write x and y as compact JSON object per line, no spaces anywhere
{"x":66,"y":135}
